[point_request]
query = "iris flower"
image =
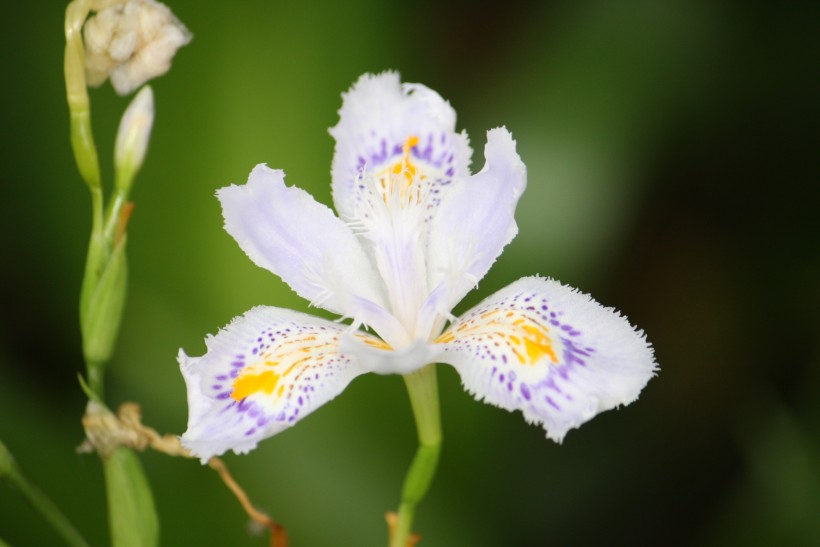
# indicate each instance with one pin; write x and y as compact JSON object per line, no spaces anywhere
{"x":415,"y":232}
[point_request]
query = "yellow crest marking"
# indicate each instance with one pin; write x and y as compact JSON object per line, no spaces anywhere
{"x":248,"y":384}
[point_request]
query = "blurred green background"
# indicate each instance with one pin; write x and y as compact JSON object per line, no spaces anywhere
{"x":672,"y":156}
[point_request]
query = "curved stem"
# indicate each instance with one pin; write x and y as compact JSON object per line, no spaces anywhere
{"x":422,"y":387}
{"x":39,"y":500}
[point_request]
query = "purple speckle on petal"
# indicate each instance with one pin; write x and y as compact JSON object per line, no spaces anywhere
{"x":525,"y":391}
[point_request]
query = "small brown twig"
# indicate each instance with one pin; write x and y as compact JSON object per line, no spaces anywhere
{"x":105,"y":431}
{"x":278,"y":537}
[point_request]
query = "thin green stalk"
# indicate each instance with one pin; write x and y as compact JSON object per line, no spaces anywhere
{"x":113,"y":214}
{"x":94,"y":264}
{"x":422,"y":386}
{"x":132,"y":514}
{"x":39,"y":500}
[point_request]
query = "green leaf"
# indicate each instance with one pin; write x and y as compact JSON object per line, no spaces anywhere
{"x":131,"y":512}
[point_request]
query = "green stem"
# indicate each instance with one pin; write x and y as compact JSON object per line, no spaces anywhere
{"x":422,"y":387}
{"x":96,"y":260}
{"x":112,"y":215}
{"x":94,"y":378}
{"x":39,"y":500}
{"x":82,"y":143}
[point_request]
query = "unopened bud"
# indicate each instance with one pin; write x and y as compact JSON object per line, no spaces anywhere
{"x":133,"y":135}
{"x":131,"y":42}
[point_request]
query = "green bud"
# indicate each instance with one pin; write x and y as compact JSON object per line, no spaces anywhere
{"x":101,"y":309}
{"x":133,"y":136}
{"x":131,"y":510}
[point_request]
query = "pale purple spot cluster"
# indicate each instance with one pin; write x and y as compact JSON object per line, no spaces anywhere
{"x":532,"y":385}
{"x":223,"y":383}
{"x":260,"y":409}
{"x":574,"y":354}
{"x":437,"y":150}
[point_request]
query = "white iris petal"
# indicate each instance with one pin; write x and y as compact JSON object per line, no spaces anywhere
{"x":415,"y":232}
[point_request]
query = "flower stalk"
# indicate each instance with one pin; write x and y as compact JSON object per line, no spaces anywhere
{"x":422,"y":387}
{"x":132,"y":515}
{"x":82,"y":137}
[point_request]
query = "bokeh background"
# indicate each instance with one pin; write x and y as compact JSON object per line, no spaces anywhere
{"x":672,"y":155}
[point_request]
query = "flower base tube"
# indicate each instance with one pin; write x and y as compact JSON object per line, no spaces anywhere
{"x":422,"y":386}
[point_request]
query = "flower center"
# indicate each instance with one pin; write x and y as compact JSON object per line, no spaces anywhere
{"x":399,"y":198}
{"x":403,"y":182}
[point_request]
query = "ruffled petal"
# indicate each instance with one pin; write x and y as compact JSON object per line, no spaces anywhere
{"x":261,"y":374}
{"x":549,"y":351}
{"x":475,"y":221}
{"x":284,"y":230}
{"x":379,"y":116}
